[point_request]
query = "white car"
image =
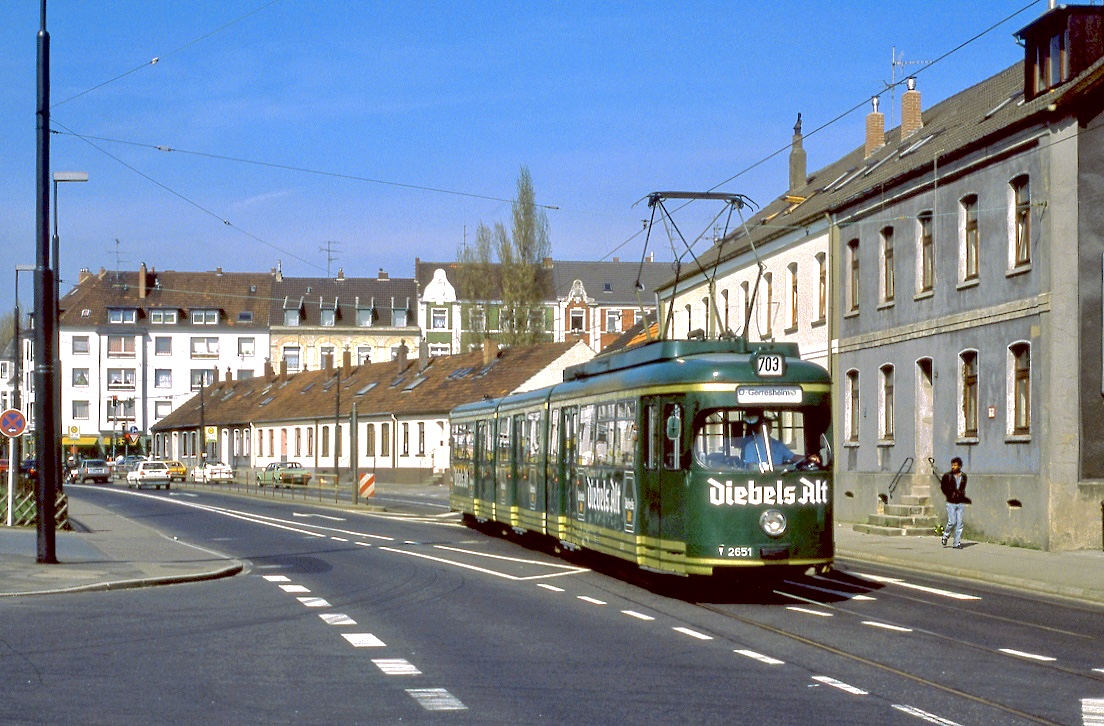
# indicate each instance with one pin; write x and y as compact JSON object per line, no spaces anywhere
{"x":149,"y":473}
{"x":212,"y":472}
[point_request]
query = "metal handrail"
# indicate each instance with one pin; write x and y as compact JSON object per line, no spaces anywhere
{"x":906,"y":465}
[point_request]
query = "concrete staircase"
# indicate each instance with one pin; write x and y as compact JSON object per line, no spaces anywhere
{"x":912,"y":515}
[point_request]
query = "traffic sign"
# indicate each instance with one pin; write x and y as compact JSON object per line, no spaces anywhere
{"x":210,"y":434}
{"x":133,"y":435}
{"x":74,"y":433}
{"x":368,"y":485}
{"x":13,"y":423}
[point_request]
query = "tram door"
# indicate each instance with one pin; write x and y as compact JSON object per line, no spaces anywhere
{"x":661,"y":479}
{"x":561,"y":467}
{"x":483,"y":491}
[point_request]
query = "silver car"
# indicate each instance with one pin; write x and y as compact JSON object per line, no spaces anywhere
{"x":92,"y":470}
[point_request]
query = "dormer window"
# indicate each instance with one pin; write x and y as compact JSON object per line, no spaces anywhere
{"x":1052,"y":62}
{"x":399,"y":314}
{"x":205,"y":317}
{"x":118,"y":316}
{"x":1059,"y":45}
{"x":162,"y":317}
{"x":293,"y":312}
{"x":328,"y":313}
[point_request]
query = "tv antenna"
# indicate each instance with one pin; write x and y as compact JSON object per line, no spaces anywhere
{"x":330,"y":248}
{"x":897,"y":65}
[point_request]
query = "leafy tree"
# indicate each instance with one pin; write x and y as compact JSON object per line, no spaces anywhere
{"x":520,"y":256}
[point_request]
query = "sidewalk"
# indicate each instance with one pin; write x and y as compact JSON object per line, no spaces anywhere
{"x":114,"y":553}
{"x":1076,"y":575}
{"x":117,"y":552}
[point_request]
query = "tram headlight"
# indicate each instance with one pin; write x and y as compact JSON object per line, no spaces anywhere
{"x":773,"y":522}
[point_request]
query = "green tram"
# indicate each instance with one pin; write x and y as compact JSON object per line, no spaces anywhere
{"x":690,"y":457}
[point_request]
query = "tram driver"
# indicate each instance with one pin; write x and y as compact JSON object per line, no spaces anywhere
{"x":761,"y":450}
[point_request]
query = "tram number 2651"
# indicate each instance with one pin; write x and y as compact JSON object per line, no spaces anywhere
{"x":725,"y":551}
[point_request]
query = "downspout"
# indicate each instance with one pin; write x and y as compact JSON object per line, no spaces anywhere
{"x":394,"y":443}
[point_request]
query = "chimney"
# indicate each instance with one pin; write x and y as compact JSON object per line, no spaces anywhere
{"x":797,"y":159}
{"x":911,"y":120}
{"x":142,"y":281}
{"x":546,"y":263}
{"x":340,"y":274}
{"x":423,"y":354}
{"x":346,"y":361}
{"x":215,"y":379}
{"x":875,"y":129}
{"x":279,"y":271}
{"x":283,"y":367}
{"x":328,"y":363}
{"x":84,"y":275}
{"x":382,"y":274}
{"x":229,"y":374}
{"x":269,"y":374}
{"x":489,"y":351}
{"x":401,"y":355}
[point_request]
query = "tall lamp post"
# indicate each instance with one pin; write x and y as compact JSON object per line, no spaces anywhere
{"x":14,"y":454}
{"x":60,"y":177}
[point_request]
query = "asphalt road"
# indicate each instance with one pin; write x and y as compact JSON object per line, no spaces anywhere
{"x":378,"y":618}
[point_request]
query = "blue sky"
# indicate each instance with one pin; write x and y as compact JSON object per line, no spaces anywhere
{"x":393,"y":129}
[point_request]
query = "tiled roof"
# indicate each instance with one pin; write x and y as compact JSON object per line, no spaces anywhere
{"x":349,"y":294}
{"x":378,"y":388}
{"x":233,"y":293}
{"x":961,"y":124}
{"x":611,"y":283}
{"x":635,"y":335}
{"x":423,"y":271}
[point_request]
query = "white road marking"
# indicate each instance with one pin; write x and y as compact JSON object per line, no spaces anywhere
{"x":1031,"y":656}
{"x":760,"y":657}
{"x":436,"y":699}
{"x":314,"y":602}
{"x":363,"y":640}
{"x":294,"y":588}
{"x":638,"y":616}
{"x":840,"y":685}
{"x":396,"y":667}
{"x":887,"y":626}
{"x":336,"y":619}
{"x":1092,"y":711}
{"x":363,"y":544}
{"x":319,"y":516}
{"x":1099,"y":670}
{"x":339,"y":539}
{"x":840,"y":593}
{"x":807,"y":611}
{"x":924,"y":715}
{"x":184,"y":494}
{"x":921,"y":588}
{"x":465,"y":566}
{"x":553,"y":588}
{"x":693,"y":633}
{"x":277,"y":578}
{"x":590,"y":600}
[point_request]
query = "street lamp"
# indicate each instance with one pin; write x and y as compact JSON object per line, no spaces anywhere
{"x":14,"y":453}
{"x":60,"y":177}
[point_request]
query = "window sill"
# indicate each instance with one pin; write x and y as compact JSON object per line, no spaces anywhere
{"x":924,"y":295}
{"x":851,"y":313}
{"x":1017,"y":439}
{"x":790,"y":330}
{"x":967,"y":284}
{"x":1018,"y":270}
{"x":819,"y":323}
{"x":120,"y":355}
{"x":885,"y":443}
{"x":850,"y":444}
{"x":967,"y":440}
{"x":205,"y":356}
{"x":886,"y":305}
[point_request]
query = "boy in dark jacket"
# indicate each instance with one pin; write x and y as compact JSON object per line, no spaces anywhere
{"x":953,"y":485}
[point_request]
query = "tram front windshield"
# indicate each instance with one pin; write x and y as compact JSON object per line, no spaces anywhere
{"x":738,"y":439}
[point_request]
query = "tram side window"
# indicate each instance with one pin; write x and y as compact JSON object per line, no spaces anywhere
{"x":554,"y":436}
{"x":652,"y":432}
{"x":570,"y":452}
{"x":488,"y":441}
{"x":503,"y":440}
{"x":585,"y":435}
{"x":672,"y":436}
{"x":462,"y":442}
{"x":521,"y":441}
{"x":533,"y":424}
{"x":625,"y":434}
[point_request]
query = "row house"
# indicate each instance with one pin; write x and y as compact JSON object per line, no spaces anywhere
{"x":390,"y":418}
{"x":593,"y":302}
{"x":949,"y":273}
{"x":315,"y":321}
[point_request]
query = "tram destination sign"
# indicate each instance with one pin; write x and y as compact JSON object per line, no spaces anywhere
{"x":762,"y":395}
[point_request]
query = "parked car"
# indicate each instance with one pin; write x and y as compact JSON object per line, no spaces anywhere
{"x":283,"y":474}
{"x":124,"y":467}
{"x":92,"y":470}
{"x":149,"y":473}
{"x":212,"y":472}
{"x":177,"y":471}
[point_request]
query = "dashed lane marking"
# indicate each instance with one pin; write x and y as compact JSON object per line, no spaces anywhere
{"x":436,"y":699}
{"x":638,"y":616}
{"x":807,"y":611}
{"x":336,"y":619}
{"x":277,"y":578}
{"x":838,"y":593}
{"x":314,"y":602}
{"x":887,"y":626}
{"x":922,"y":588}
{"x":760,"y":657}
{"x":396,"y":667}
{"x":924,"y":715}
{"x":1029,"y":656}
{"x":828,"y":681}
{"x":553,"y":588}
{"x":364,"y":640}
{"x":339,"y":539}
{"x":591,"y":600}
{"x":294,"y":588}
{"x":463,"y":565}
{"x":692,"y":633}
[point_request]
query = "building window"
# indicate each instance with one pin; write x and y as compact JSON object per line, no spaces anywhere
{"x":886,"y":402}
{"x":577,"y":320}
{"x":398,"y":318}
{"x":1052,"y":62}
{"x":247,"y":347}
{"x":968,"y":386}
{"x":792,"y":270}
{"x":80,"y":377}
{"x":970,"y":239}
{"x":364,"y":317}
{"x":405,"y":439}
{"x":724,"y":297}
{"x":310,"y":442}
{"x":161,"y":409}
{"x":852,"y":410}
{"x":162,"y":378}
{"x":80,"y":345}
{"x":205,"y":347}
{"x":272,"y":442}
{"x":888,"y":280}
{"x":327,"y":317}
{"x":1020,"y":237}
{"x":853,"y":276}
{"x":162,"y":317}
{"x":291,"y":318}
{"x":291,"y":357}
{"x":80,"y":410}
{"x":120,"y":379}
{"x":477,"y":318}
{"x":436,"y":349}
{"x":117,"y":316}
{"x":245,"y":374}
{"x":822,"y":287}
{"x":613,"y":321}
{"x":421,"y":438}
{"x":1020,"y":359}
{"x":385,"y":439}
{"x":438,"y":319}
{"x":202,"y":377}
{"x":364,"y":354}
{"x":121,"y":408}
{"x":205,"y":317}
{"x":925,"y":253}
{"x":370,"y":440}
{"x":326,"y":354}
{"x":162,"y":345}
{"x":120,"y":346}
{"x":325,"y":441}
